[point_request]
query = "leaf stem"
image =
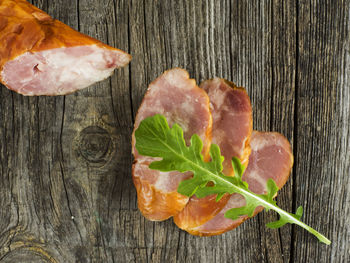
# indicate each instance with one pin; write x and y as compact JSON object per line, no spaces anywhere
{"x":266,"y":204}
{"x":280,"y":211}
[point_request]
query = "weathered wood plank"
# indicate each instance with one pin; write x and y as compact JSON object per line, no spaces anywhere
{"x":68,"y":155}
{"x":323,"y":146}
{"x":39,"y":230}
{"x":283,"y":71}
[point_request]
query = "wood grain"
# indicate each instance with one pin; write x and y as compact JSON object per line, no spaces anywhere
{"x":323,"y":128}
{"x":66,"y":193}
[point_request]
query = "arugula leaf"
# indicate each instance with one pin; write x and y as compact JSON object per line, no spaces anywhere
{"x":155,"y":138}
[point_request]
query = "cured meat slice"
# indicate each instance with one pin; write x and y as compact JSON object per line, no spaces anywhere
{"x":42,"y":56}
{"x":232,"y":128}
{"x":181,"y":101}
{"x":271,"y":157}
{"x":232,"y":120}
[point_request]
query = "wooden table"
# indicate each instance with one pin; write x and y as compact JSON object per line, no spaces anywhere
{"x":66,"y":193}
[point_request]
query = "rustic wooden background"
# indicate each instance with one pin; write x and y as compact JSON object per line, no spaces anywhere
{"x":66,"y":193}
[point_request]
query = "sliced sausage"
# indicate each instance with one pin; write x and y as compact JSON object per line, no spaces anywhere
{"x":232,"y":128}
{"x":181,"y":101}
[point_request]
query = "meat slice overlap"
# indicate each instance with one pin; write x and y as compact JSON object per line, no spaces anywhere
{"x":232,"y":127}
{"x":271,"y":157}
{"x":42,"y":56}
{"x":181,"y":101}
{"x":227,"y":124}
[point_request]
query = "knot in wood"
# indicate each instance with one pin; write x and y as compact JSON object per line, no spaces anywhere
{"x":94,"y":146}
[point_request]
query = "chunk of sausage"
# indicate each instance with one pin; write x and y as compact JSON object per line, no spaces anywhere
{"x":42,"y":56}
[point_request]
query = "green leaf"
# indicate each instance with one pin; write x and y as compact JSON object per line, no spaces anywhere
{"x":238,"y":167}
{"x":219,"y":196}
{"x":284,"y":219}
{"x":155,"y":138}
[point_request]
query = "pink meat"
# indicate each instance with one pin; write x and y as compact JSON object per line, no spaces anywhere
{"x":181,"y":101}
{"x":61,"y":71}
{"x":232,"y":120}
{"x":271,"y":157}
{"x":232,"y":128}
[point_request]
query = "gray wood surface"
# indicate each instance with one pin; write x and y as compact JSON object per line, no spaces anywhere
{"x":66,"y":193}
